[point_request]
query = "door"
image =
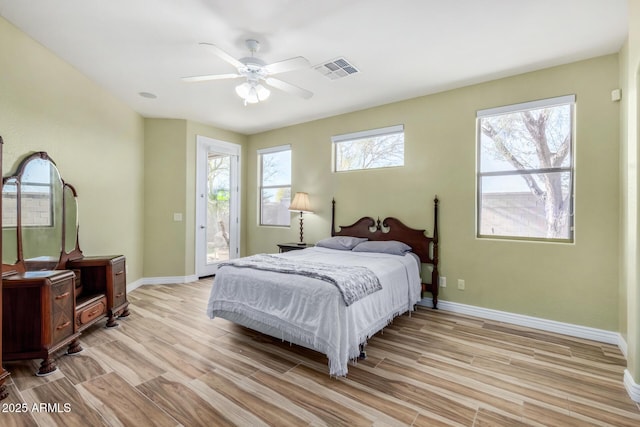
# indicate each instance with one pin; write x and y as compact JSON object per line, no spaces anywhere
{"x":217,"y":204}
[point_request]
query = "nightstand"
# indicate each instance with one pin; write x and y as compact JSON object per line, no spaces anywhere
{"x":286,"y":247}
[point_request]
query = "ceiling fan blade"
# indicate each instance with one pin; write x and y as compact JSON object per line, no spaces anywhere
{"x":222,"y":54}
{"x":287,"y":65}
{"x":288,"y":87}
{"x":208,"y":77}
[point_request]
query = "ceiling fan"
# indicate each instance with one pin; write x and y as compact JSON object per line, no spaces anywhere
{"x":255,"y":71}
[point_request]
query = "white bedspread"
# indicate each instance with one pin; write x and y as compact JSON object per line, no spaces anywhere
{"x":311,"y":312}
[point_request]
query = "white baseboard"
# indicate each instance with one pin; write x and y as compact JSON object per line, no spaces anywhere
{"x":633,"y":388}
{"x":578,"y":331}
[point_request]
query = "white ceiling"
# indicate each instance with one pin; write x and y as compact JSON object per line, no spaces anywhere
{"x":403,"y":48}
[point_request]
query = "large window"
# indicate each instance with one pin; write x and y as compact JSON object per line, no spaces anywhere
{"x":275,"y":185}
{"x":525,"y":170}
{"x":377,"y":148}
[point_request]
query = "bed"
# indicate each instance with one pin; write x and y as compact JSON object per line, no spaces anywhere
{"x":332,"y":297}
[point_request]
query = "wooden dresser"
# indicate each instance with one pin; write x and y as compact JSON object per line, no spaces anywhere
{"x":41,"y":306}
{"x":53,"y":292}
{"x":47,"y":310}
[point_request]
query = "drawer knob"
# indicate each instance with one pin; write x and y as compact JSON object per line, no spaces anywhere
{"x":120,"y":272}
{"x":61,"y":296}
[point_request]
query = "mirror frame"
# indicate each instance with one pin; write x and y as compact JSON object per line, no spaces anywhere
{"x":14,"y":241}
{"x":20,"y":266}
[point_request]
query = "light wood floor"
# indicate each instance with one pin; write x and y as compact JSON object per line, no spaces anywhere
{"x":168,"y":365}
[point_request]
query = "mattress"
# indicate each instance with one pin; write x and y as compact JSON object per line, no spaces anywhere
{"x":311,"y":312}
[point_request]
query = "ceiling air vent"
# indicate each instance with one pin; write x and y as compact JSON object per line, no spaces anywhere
{"x":336,"y":69}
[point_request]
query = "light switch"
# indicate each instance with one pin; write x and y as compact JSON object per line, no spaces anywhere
{"x":177,"y":217}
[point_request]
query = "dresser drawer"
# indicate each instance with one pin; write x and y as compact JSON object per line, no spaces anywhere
{"x":90,"y":310}
{"x":119,"y":283}
{"x":62,"y":310}
{"x":62,"y":293}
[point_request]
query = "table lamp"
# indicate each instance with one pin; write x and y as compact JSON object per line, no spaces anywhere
{"x":300,"y":204}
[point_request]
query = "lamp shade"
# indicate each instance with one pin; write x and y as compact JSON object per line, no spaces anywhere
{"x":300,"y":203}
{"x":262,"y":92}
{"x":243,"y":90}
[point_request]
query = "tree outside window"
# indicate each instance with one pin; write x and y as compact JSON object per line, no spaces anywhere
{"x":218,"y":206}
{"x":525,"y":170}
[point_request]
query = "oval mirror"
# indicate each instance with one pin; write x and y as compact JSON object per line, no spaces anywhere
{"x":70,"y":219}
{"x":41,"y":210}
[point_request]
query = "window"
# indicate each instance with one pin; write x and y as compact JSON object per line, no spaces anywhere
{"x":37,"y":194}
{"x":275,"y":185}
{"x":377,"y":148}
{"x":525,"y":170}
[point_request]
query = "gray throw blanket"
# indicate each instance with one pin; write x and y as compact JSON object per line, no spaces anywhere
{"x":353,"y":282}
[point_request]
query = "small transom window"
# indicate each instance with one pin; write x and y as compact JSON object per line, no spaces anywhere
{"x":371,"y":149}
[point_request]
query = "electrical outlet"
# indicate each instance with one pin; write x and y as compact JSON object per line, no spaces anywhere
{"x":443,"y":282}
{"x":461,"y":284}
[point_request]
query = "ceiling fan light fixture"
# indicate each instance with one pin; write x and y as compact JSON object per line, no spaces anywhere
{"x":252,"y":93}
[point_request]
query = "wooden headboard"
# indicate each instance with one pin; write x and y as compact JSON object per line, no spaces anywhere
{"x":426,"y":248}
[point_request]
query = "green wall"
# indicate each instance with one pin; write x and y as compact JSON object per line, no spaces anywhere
{"x":165,"y":193}
{"x":96,"y":141}
{"x":574,"y":283}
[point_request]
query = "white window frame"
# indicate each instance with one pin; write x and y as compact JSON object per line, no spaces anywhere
{"x":533,"y":105}
{"x":261,"y":187}
{"x":354,"y":136}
